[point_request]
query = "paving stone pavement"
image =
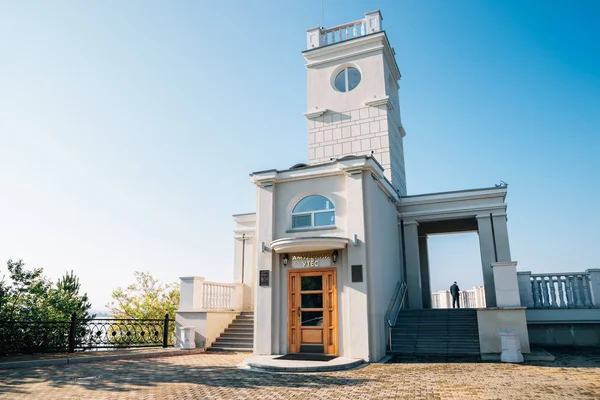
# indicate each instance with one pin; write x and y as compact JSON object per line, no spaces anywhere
{"x":574,"y":375}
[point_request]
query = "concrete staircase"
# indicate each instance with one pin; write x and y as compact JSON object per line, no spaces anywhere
{"x":238,"y":336}
{"x":436,"y":332}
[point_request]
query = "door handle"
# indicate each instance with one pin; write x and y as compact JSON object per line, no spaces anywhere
{"x":298,"y":312}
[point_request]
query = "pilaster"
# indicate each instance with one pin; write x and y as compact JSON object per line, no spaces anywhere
{"x":424,"y":267}
{"x":413,"y":265}
{"x":488,"y":256}
{"x":501,"y":237}
{"x":263,"y":322}
{"x":356,"y":341}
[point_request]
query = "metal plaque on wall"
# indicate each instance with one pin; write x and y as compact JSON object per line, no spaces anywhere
{"x":264,"y":278}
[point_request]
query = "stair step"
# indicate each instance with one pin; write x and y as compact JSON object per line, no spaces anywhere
{"x":239,"y":330}
{"x":240,"y":349}
{"x":436,"y":332}
{"x":238,"y":336}
{"x":226,"y":340}
{"x":231,"y":346}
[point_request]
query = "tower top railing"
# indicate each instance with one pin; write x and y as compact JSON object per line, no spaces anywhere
{"x":319,"y":36}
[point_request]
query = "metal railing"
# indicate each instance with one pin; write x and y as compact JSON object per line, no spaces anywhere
{"x":29,"y":337}
{"x":396,"y":304}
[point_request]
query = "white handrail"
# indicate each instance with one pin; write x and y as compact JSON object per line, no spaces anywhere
{"x":396,"y":304}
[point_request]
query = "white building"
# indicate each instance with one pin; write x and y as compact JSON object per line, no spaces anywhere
{"x":336,"y":246}
{"x":471,"y":298}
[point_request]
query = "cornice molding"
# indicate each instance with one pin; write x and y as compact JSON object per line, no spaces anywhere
{"x":266,"y":183}
{"x":328,"y":53}
{"x":385,"y":101}
{"x":337,"y":167}
{"x":344,"y":56}
{"x":315,"y":114}
{"x":474,"y":210}
{"x":475,"y":194}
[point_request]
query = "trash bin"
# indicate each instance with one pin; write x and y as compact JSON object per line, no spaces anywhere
{"x":511,"y":346}
{"x":188,"y":334}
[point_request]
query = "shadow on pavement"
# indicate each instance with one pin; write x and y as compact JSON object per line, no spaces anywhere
{"x":566,"y":357}
{"x":131,"y":375}
{"x":409,"y":359}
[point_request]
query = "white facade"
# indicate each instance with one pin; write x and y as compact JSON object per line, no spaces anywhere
{"x":364,"y":208}
{"x":368,"y":235}
{"x":365,"y":120}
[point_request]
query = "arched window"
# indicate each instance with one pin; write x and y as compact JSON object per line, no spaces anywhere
{"x":313,"y":211}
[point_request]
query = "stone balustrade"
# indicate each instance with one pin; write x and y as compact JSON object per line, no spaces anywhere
{"x":199,"y":295}
{"x":207,"y":308}
{"x":560,"y":290}
{"x":218,"y":296}
{"x":318,"y":37}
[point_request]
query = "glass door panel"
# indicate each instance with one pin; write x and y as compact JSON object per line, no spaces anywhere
{"x":312,"y":311}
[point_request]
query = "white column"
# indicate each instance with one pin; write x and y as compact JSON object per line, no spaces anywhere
{"x":413,"y":265}
{"x":263,"y":313}
{"x":501,"y":237}
{"x":525,"y":290}
{"x":506,"y":284}
{"x":356,"y":335}
{"x":424,"y":267}
{"x":595,"y":285}
{"x":488,"y":256}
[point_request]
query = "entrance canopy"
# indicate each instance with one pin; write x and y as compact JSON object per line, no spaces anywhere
{"x":304,"y":244}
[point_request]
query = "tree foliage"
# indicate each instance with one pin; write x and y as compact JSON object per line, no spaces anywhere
{"x":29,"y":301}
{"x":146,"y":298}
{"x":27,"y":295}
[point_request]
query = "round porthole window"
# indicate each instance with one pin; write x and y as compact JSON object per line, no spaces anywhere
{"x":347,"y":79}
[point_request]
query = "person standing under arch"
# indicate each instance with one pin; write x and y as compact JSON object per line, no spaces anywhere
{"x":455,"y":292}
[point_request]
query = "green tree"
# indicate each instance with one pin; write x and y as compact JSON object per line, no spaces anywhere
{"x":146,"y":298}
{"x":29,"y":296}
{"x":29,"y":300}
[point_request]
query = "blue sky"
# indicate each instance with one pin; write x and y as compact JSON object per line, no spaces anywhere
{"x":128,"y":129}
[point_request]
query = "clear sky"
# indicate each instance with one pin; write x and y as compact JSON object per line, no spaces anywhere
{"x":128,"y":129}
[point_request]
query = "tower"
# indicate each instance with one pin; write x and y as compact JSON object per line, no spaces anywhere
{"x":353,"y":106}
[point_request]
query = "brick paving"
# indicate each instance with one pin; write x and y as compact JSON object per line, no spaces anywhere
{"x":574,"y":375}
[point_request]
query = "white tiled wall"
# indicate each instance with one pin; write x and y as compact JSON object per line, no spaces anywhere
{"x":359,"y":132}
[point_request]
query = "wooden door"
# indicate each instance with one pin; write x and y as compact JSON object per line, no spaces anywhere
{"x":312,"y":314}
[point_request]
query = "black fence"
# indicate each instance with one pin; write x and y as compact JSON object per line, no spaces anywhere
{"x":26,"y":337}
